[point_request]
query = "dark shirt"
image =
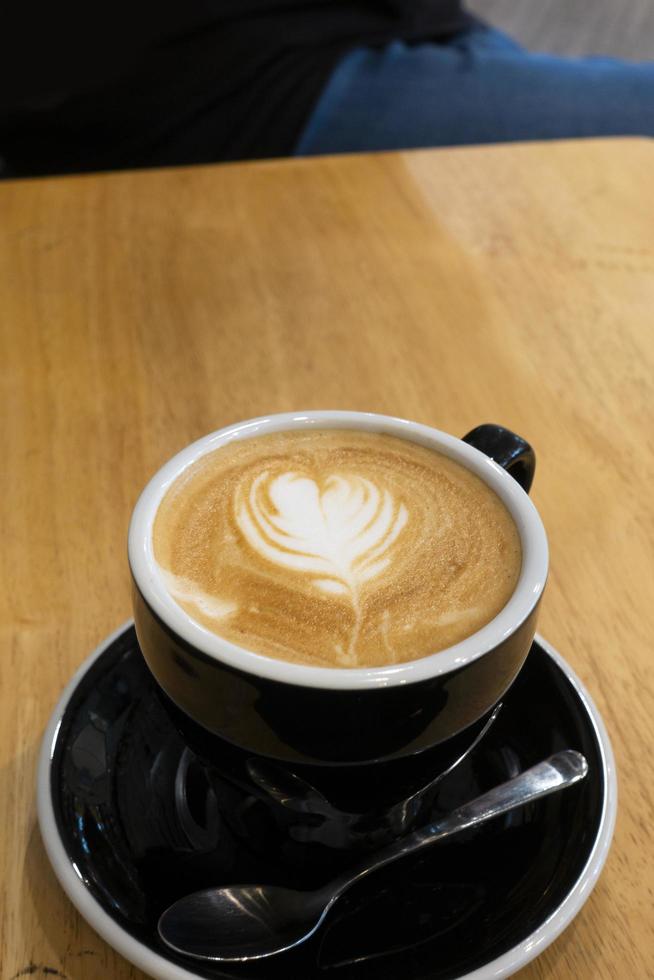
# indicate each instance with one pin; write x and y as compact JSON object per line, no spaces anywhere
{"x":87,"y":86}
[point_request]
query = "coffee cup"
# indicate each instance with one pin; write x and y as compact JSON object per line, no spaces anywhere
{"x":342,"y":747}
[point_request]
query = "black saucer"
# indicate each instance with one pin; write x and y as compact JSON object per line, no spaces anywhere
{"x":131,"y":822}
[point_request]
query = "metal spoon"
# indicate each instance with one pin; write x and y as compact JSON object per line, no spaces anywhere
{"x":249,"y":922}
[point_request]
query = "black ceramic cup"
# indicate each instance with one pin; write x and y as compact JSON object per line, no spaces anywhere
{"x":339,"y":757}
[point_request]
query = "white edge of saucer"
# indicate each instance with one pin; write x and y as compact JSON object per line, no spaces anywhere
{"x":160,"y":968}
{"x":531,"y":947}
{"x":69,"y":876}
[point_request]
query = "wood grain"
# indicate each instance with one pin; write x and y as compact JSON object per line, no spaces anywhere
{"x":140,"y":310}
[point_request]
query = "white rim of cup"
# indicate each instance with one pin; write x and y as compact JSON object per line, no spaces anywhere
{"x":528,"y":591}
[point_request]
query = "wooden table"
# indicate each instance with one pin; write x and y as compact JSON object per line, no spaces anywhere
{"x":140,"y":310}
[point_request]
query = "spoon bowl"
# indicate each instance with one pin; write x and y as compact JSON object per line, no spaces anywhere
{"x":246,"y":922}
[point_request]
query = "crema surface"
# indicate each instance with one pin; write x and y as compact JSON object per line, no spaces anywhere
{"x":336,"y":548}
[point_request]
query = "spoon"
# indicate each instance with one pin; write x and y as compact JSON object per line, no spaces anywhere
{"x":249,"y":922}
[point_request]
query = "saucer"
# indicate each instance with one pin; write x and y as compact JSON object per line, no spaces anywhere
{"x":131,"y":822}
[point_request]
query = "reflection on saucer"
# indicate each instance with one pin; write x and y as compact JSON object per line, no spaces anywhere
{"x":384,"y":924}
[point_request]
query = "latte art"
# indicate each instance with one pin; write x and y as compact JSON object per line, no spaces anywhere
{"x":336,"y":547}
{"x":340,"y":534}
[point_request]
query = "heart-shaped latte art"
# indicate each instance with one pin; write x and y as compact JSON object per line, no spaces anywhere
{"x":338,"y":532}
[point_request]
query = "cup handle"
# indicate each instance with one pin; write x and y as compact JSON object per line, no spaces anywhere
{"x":508,"y":449}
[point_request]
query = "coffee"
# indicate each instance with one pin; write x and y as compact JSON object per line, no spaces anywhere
{"x":336,"y":547}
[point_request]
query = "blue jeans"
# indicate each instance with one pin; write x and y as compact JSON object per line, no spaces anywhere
{"x":479,"y":87}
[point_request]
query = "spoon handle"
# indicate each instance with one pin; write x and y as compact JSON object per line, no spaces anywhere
{"x":558,"y":771}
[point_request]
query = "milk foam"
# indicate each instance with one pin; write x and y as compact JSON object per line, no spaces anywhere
{"x":336,"y":547}
{"x":187,"y":591}
{"x":339,"y":535}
